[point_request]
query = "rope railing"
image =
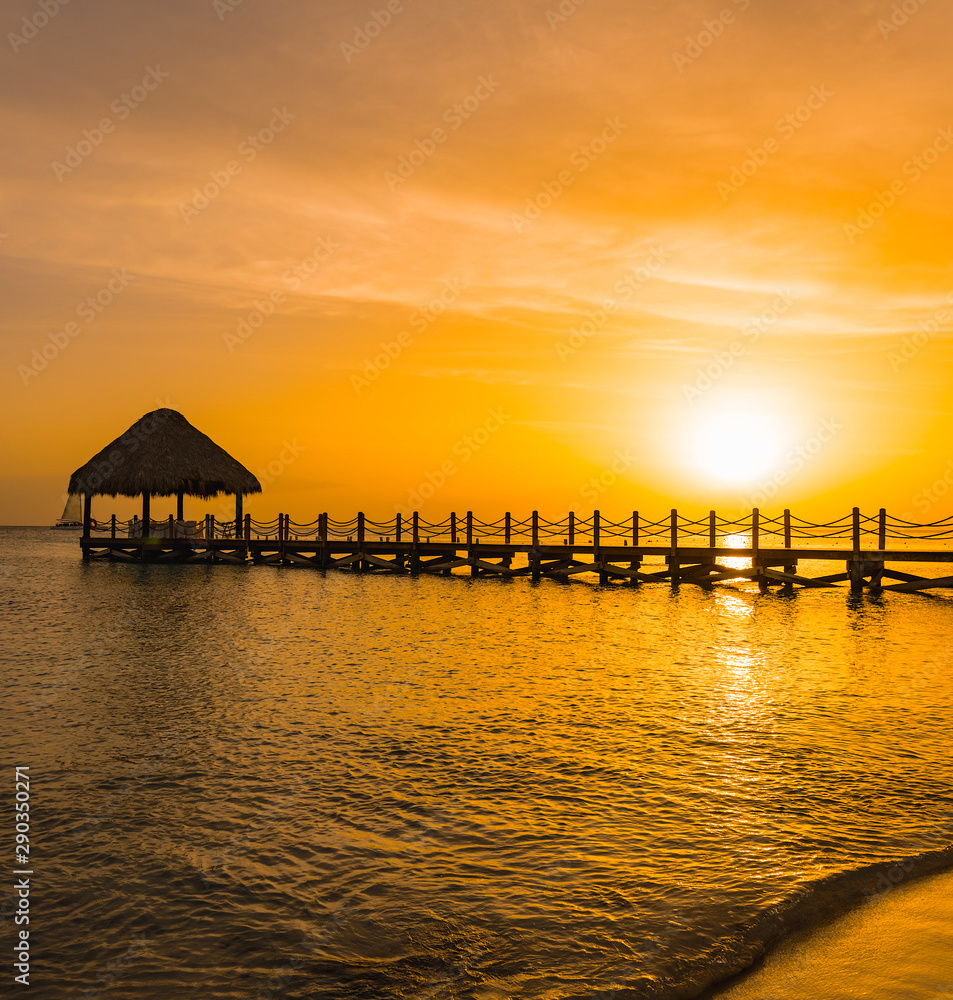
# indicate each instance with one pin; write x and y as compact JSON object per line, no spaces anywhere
{"x":867,"y":531}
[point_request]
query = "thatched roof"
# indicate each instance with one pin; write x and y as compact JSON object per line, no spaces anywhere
{"x":161,"y":454}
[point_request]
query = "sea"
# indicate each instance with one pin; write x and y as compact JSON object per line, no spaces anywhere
{"x":277,"y":782}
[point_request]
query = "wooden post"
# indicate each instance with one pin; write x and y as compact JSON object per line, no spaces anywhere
{"x":712,"y":534}
{"x":572,"y":528}
{"x":755,"y":547}
{"x":171,"y":526}
{"x":882,"y":530}
{"x":180,"y":505}
{"x":398,"y":528}
{"x":596,"y":540}
{"x":856,"y":530}
{"x":239,"y":515}
{"x":416,"y":528}
{"x":534,"y":555}
{"x":146,"y":516}
{"x":635,"y":527}
{"x":112,"y":526}
{"x":248,"y":527}
{"x":360,"y":527}
{"x":87,"y":521}
{"x":323,"y":532}
{"x":789,"y":567}
{"x":506,"y":529}
{"x":453,"y":528}
{"x":474,"y":570}
{"x":281,"y":528}
{"x":673,"y":542}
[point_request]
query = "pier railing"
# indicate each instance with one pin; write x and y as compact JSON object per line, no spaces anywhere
{"x":753,"y":530}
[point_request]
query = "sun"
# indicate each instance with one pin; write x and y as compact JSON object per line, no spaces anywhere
{"x":735,"y":446}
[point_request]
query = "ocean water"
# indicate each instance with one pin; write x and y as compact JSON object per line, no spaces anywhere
{"x":253,"y":782}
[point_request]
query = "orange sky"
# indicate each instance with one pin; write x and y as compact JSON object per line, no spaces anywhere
{"x":589,"y":253}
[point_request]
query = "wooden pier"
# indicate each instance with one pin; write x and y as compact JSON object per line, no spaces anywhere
{"x":676,"y":550}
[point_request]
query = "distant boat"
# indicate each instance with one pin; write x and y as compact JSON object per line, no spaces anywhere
{"x":72,"y":516}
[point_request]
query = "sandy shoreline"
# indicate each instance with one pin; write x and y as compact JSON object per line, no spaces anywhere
{"x":899,"y":946}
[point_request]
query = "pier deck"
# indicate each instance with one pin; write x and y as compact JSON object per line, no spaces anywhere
{"x":675,"y":550}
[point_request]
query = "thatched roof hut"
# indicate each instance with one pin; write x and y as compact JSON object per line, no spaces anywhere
{"x":162,"y":454}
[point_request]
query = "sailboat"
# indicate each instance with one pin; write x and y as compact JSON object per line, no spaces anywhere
{"x":72,"y":516}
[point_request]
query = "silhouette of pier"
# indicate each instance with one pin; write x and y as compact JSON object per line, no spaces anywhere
{"x":769,"y":551}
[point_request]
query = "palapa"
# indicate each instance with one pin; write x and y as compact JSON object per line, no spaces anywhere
{"x":162,"y":454}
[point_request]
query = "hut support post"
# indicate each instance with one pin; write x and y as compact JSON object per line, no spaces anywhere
{"x":87,"y":524}
{"x":146,"y":516}
{"x":180,"y":505}
{"x":239,"y":515}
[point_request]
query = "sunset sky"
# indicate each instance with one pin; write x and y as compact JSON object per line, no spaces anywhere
{"x":583,"y":254}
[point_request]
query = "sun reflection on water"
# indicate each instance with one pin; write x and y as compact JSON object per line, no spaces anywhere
{"x":736,"y":542}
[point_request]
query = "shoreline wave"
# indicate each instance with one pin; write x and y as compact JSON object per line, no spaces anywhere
{"x":814,"y":904}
